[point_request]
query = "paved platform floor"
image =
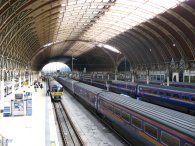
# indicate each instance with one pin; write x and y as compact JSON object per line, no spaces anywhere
{"x":36,"y":130}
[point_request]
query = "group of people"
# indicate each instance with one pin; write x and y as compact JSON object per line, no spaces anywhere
{"x":37,"y":84}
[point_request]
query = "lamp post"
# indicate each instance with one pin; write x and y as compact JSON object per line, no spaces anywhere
{"x":72,"y":63}
{"x":125,"y":68}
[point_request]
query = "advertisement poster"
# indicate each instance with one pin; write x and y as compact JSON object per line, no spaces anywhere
{"x":18,"y":107}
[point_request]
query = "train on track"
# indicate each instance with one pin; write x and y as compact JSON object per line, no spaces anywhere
{"x":181,"y":99}
{"x":173,"y":84}
{"x":55,"y":89}
{"x":143,"y":124}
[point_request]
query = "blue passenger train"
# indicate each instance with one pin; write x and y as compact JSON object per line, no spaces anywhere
{"x":143,"y":124}
{"x":55,"y":89}
{"x":173,"y":84}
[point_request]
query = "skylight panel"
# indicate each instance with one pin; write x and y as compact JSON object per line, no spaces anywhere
{"x":100,"y":6}
{"x":150,"y":8}
{"x":93,"y":7}
{"x":77,"y":8}
{"x":63,"y":5}
{"x":97,"y":0}
{"x":68,"y":10}
{"x":84,"y":7}
{"x":111,"y":48}
{"x":80,"y":1}
{"x":71,"y":3}
{"x":123,"y":15}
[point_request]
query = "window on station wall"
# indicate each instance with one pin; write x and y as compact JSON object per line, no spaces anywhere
{"x":186,"y":78}
{"x":158,"y":77}
{"x":192,"y":79}
{"x":162,"y":77}
{"x":55,"y":68}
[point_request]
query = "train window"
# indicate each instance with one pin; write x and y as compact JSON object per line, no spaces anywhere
{"x":151,"y":130}
{"x":155,"y":92}
{"x":149,"y":91}
{"x":125,"y":116}
{"x":185,"y":97}
{"x":161,"y":93}
{"x":175,"y":95}
{"x":193,"y":99}
{"x":117,"y":112}
{"x":54,"y":89}
{"x":136,"y":122}
{"x":169,"y":140}
{"x":102,"y":103}
{"x":61,"y":89}
{"x":111,"y":108}
{"x":168,"y":94}
{"x":186,"y":144}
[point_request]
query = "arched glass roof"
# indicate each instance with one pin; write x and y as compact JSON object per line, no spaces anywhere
{"x":36,"y":31}
{"x":125,"y":14}
{"x":98,"y":20}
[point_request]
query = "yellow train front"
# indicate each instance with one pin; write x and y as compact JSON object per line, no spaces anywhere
{"x":56,"y":90}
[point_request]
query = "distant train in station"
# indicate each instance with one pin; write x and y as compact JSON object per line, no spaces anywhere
{"x":55,"y":90}
{"x":180,"y":99}
{"x":173,"y":84}
{"x":142,"y":123}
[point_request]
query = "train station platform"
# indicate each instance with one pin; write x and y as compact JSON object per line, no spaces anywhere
{"x":37,"y":129}
{"x":40,"y":128}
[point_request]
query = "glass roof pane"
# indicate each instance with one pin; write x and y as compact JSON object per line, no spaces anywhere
{"x":97,"y":0}
{"x":102,"y":19}
{"x":81,"y":1}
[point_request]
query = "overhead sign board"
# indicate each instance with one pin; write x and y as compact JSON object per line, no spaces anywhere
{"x":24,"y":83}
{"x":19,"y":96}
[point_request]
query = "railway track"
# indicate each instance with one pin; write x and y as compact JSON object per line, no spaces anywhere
{"x":69,"y":135}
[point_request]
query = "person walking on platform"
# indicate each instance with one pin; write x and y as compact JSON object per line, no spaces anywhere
{"x":47,"y":93}
{"x":35,"y":88}
{"x":41,"y":86}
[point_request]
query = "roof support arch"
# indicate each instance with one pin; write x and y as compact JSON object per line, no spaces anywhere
{"x":139,"y":45}
{"x":171,"y":34}
{"x":147,"y":45}
{"x":123,"y":47}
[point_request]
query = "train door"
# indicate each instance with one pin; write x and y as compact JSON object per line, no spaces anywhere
{"x":97,"y":103}
{"x":181,"y":76}
{"x":140,"y":92}
{"x":175,"y":77}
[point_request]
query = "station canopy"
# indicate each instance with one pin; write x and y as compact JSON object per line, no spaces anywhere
{"x":143,"y":31}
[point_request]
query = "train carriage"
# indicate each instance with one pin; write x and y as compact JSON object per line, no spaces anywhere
{"x":100,"y":83}
{"x":148,"y":124}
{"x":176,"y":98}
{"x":56,"y":90}
{"x":122,"y":87}
{"x":69,"y":83}
{"x":166,"y":96}
{"x":87,"y":93}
